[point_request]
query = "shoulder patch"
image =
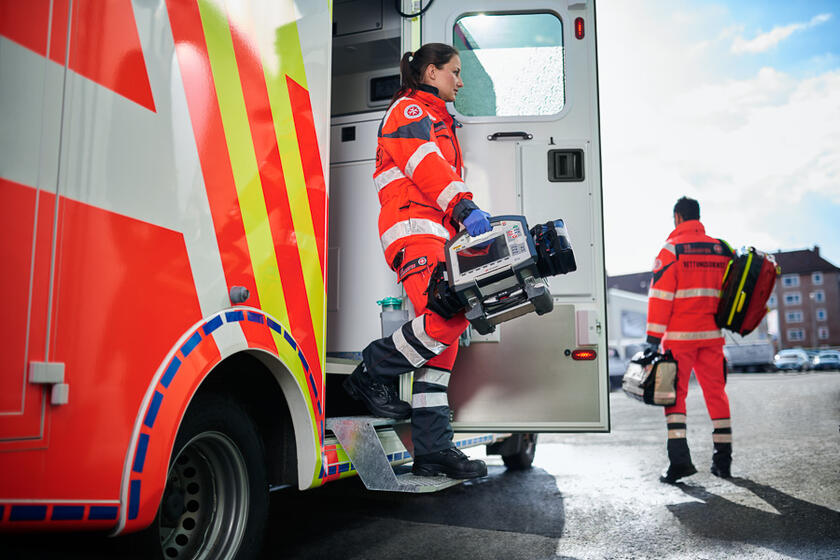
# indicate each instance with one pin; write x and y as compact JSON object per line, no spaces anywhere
{"x":412,"y":111}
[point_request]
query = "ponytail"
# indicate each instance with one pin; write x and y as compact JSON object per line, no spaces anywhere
{"x":413,"y":65}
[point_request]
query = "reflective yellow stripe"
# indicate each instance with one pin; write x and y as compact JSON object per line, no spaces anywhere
{"x":722,"y":438}
{"x":661,"y":294}
{"x":722,"y":423}
{"x":697,"y":292}
{"x":675,"y":418}
{"x":243,"y":160}
{"x":656,"y":328}
{"x":702,"y":335}
{"x":286,"y":42}
{"x":740,"y":287}
{"x":676,"y":434}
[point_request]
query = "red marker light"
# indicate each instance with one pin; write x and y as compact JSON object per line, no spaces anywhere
{"x":581,"y":354}
{"x":579,"y":31}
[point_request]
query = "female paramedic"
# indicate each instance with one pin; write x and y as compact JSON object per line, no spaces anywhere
{"x":424,"y":202}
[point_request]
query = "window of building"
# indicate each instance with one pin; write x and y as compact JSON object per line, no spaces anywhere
{"x":772,"y":301}
{"x":822,"y":314}
{"x":819,"y":296}
{"x":511,"y":64}
{"x":793,"y":298}
{"x":822,"y":333}
{"x":793,"y":316}
{"x":790,"y":280}
{"x":816,"y":278}
{"x":795,"y":335}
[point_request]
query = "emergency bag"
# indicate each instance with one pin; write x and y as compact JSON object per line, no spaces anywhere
{"x":652,"y":378}
{"x":747,"y":284}
{"x":554,"y":252}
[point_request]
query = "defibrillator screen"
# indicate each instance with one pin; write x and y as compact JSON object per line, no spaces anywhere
{"x":479,"y":255}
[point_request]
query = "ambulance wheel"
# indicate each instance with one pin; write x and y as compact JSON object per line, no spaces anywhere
{"x":524,"y":457}
{"x":215,"y":503}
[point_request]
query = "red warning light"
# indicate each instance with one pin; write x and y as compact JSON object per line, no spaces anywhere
{"x":579,"y":31}
{"x":581,"y":354}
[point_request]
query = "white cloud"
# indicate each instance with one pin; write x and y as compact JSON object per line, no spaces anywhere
{"x":766,"y":41}
{"x":748,"y":149}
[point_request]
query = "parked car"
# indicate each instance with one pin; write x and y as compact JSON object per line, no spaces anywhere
{"x":827,"y":359}
{"x":616,"y":366}
{"x":792,"y":359}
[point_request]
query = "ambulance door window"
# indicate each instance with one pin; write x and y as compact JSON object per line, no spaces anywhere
{"x":512,"y":64}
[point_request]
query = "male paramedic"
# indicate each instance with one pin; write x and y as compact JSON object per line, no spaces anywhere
{"x":684,"y":293}
{"x":424,"y":202}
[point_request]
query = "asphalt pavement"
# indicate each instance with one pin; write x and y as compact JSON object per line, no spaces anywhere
{"x":588,"y":495}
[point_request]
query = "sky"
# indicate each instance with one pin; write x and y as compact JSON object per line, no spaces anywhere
{"x":734,"y":103}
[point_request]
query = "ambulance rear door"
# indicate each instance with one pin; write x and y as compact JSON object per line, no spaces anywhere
{"x":530,"y":137}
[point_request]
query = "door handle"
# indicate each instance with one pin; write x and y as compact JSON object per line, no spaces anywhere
{"x":518,"y":134}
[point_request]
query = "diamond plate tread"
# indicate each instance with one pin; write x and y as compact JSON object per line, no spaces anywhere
{"x":412,"y":483}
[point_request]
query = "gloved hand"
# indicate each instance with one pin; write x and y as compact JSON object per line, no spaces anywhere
{"x":477,"y":223}
{"x":649,"y":349}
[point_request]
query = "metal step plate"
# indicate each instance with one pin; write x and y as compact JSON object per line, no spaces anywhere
{"x":357,"y":435}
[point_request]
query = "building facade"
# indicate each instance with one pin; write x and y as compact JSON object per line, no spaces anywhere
{"x":807,"y":300}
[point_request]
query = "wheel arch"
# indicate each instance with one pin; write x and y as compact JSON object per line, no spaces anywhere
{"x":266,"y":378}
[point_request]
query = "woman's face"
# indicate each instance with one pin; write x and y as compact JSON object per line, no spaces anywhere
{"x":446,"y":79}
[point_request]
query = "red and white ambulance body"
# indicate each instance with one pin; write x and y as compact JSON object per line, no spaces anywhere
{"x":171,"y":315}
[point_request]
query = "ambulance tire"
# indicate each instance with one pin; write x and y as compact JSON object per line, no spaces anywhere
{"x":523,"y":458}
{"x":216,"y":499}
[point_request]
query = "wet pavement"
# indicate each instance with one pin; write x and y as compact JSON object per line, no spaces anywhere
{"x":589,"y":495}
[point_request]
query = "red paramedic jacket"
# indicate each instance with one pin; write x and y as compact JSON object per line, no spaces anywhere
{"x":685,"y":291}
{"x":418,"y":173}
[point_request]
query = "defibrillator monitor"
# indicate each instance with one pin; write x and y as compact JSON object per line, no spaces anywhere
{"x":499,"y":275}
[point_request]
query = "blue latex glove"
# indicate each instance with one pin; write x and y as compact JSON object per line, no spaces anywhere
{"x":477,"y":222}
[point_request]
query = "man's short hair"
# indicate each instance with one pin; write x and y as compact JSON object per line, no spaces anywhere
{"x":688,"y":208}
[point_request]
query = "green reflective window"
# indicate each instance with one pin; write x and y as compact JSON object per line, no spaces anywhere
{"x":511,"y":64}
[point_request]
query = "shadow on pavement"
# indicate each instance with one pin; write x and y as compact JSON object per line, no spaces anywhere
{"x":508,"y":512}
{"x":800,"y":530}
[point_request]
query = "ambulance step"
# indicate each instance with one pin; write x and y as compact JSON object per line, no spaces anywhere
{"x":357,"y":435}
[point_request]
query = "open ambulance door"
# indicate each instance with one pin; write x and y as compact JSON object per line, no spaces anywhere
{"x":530,"y":138}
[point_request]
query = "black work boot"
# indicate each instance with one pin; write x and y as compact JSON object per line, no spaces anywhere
{"x":380,"y":398}
{"x":722,"y":460}
{"x":680,"y":461}
{"x":452,"y":462}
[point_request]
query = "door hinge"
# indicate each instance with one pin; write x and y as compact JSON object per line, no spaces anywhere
{"x":51,"y":373}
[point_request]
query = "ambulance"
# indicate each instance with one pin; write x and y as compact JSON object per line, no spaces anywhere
{"x":191,"y":263}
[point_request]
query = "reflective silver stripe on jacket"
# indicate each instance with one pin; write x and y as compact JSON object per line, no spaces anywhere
{"x":418,"y":327}
{"x":670,"y":248}
{"x":698,"y":292}
{"x":675,"y":418}
{"x":404,"y":348}
{"x":450,"y":192}
{"x":656,"y":327}
{"x":432,"y":377}
{"x":722,"y":423}
{"x":425,"y":149}
{"x":429,"y":400}
{"x":387,"y":177}
{"x":661,"y":294}
{"x":415,"y":226}
{"x":685,"y":335}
